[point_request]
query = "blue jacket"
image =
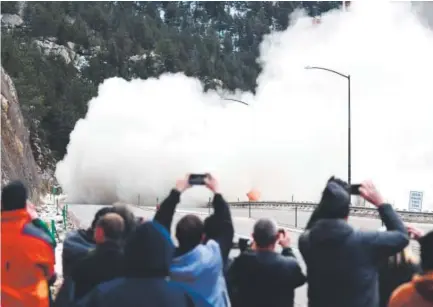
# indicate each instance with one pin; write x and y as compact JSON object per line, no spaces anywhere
{"x":148,"y":254}
{"x":342,"y":263}
{"x":202,"y":270}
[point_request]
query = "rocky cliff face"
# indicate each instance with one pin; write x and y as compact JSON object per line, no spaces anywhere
{"x":17,"y":161}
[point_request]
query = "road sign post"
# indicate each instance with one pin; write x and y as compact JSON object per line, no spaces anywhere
{"x":415,"y":201}
{"x":53,"y":229}
{"x":65,"y":215}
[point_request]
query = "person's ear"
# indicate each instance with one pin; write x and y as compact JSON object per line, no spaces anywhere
{"x":99,"y":235}
{"x":203,"y":237}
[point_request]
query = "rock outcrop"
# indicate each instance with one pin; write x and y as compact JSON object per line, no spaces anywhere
{"x":17,"y":161}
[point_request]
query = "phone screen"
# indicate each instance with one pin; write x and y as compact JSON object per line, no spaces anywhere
{"x":196,"y":179}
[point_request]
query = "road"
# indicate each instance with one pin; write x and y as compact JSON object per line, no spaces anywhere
{"x":296,"y":218}
{"x":285,"y":216}
{"x":243,"y":225}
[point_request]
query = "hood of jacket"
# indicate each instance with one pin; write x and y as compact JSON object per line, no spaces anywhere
{"x":424,"y":286}
{"x":330,"y":232}
{"x":149,"y":251}
{"x":203,"y":259}
{"x":78,"y":242}
{"x":202,"y":270}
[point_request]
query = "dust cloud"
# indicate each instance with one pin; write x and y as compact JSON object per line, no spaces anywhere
{"x":138,"y":137}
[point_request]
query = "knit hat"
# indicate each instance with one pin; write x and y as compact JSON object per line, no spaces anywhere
{"x":14,"y":196}
{"x":149,"y":251}
{"x":335,"y":200}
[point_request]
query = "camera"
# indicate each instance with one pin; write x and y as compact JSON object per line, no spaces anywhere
{"x":243,"y":244}
{"x":354,"y":189}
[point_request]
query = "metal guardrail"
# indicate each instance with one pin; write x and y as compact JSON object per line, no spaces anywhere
{"x":277,"y":204}
{"x":299,"y":205}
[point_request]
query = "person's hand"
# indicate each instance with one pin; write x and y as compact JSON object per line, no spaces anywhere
{"x":414,"y":233}
{"x":141,"y":220}
{"x":369,"y":192}
{"x":183,"y":184}
{"x":31,"y":210}
{"x":284,"y":239}
{"x":212,"y":184}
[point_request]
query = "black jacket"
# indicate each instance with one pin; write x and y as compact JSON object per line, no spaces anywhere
{"x":100,"y":265}
{"x":342,"y":263}
{"x":264,"y":279}
{"x":77,"y":244}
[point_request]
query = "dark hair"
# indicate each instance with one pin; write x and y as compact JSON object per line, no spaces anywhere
{"x":265,"y":232}
{"x":189,"y":232}
{"x":113,"y":226}
{"x":14,"y":196}
{"x":315,"y":216}
{"x":211,"y":226}
{"x":426,"y":243}
{"x":100,"y":213}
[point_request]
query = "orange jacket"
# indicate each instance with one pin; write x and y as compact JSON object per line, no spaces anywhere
{"x":27,"y":261}
{"x":417,"y":293}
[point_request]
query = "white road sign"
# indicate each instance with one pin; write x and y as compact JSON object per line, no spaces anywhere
{"x":415,"y":201}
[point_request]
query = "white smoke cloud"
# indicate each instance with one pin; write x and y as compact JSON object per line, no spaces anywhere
{"x":139,"y":136}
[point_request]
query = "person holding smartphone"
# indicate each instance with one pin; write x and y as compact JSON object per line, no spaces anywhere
{"x":199,"y":261}
{"x":342,"y":262}
{"x":261,"y":277}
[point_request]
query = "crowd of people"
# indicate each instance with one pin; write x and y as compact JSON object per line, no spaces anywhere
{"x":129,"y":261}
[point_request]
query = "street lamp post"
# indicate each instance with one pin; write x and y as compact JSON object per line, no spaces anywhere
{"x":246,"y":104}
{"x":349,"y":130}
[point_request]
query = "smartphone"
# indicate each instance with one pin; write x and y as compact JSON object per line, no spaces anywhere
{"x":243,"y":244}
{"x":354,"y":189}
{"x":197,"y":179}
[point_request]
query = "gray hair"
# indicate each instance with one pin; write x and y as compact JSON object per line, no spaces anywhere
{"x":265,"y":232}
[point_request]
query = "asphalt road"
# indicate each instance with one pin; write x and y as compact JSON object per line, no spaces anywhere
{"x":243,"y":225}
{"x":285,"y":216}
{"x":296,"y":218}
